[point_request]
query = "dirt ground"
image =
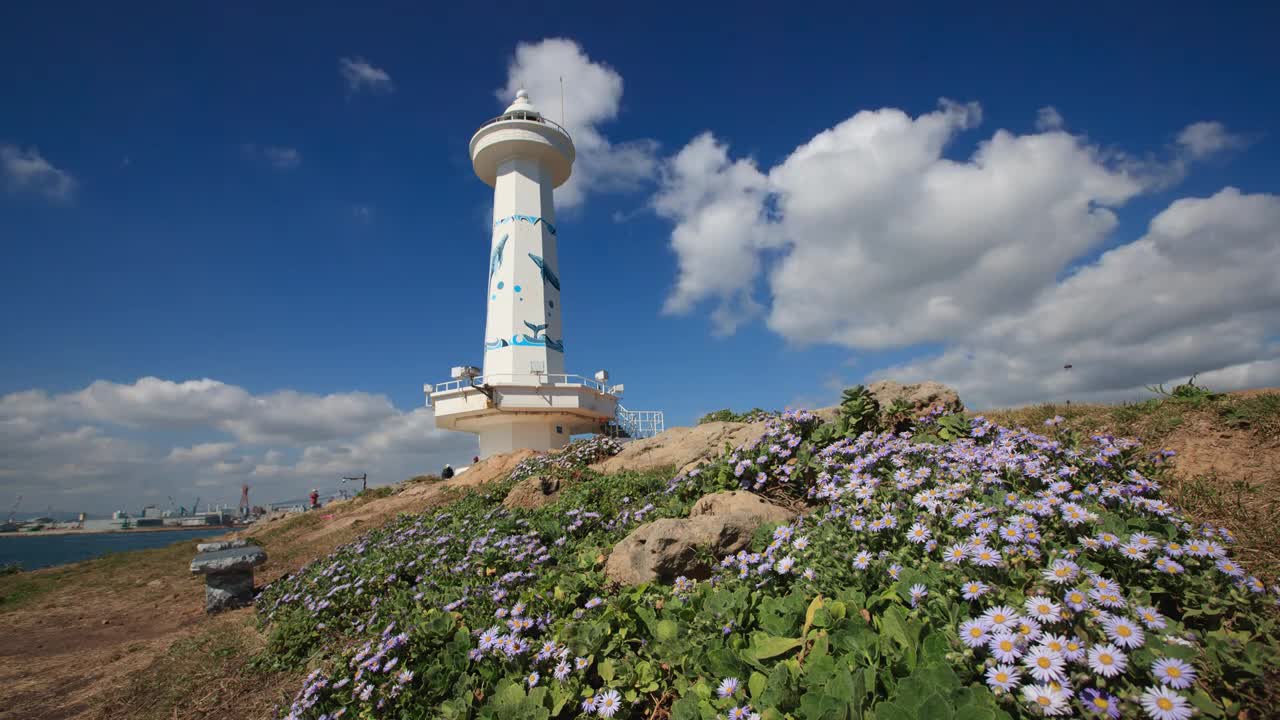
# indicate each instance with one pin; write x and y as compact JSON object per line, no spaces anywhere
{"x":85,"y":632}
{"x":126,"y":636}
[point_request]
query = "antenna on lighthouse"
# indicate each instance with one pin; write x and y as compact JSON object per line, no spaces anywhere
{"x":563,"y":120}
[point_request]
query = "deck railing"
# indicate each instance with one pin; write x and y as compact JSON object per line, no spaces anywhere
{"x":527,"y":116}
{"x":514,"y":379}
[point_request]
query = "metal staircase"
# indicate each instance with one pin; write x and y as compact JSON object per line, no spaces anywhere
{"x":635,"y":424}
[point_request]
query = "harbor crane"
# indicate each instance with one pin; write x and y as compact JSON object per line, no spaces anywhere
{"x":14,"y":510}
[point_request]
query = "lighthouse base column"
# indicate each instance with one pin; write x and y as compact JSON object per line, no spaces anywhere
{"x":524,"y":435}
{"x":534,"y":417}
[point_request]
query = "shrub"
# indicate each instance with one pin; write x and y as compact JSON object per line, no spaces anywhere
{"x":727,"y":415}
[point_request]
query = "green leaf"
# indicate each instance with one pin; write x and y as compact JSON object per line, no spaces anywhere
{"x":606,"y":670}
{"x":686,"y":708}
{"x":766,"y":646}
{"x":666,"y":631}
{"x":1205,"y":704}
{"x":892,"y":711}
{"x":808,"y":615}
{"x":723,"y":662}
{"x":756,"y":685}
{"x":778,"y":692}
{"x":838,"y":609}
{"x":974,"y":712}
{"x":934,"y":707}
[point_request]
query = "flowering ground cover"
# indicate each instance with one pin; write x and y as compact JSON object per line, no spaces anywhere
{"x":954,"y":570}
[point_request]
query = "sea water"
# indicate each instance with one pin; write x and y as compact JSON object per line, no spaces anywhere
{"x":34,"y":551}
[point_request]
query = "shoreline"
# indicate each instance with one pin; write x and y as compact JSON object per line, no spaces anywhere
{"x":222,"y":529}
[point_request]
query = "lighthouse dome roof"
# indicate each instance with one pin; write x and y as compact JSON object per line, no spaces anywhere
{"x":522,"y":104}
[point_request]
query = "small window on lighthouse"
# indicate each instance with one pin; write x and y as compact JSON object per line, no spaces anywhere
{"x":559,"y":429}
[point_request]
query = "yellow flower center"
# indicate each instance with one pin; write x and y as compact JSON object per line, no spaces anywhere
{"x":998,"y":619}
{"x":1101,"y":703}
{"x":1044,"y":700}
{"x":1006,"y":646}
{"x":1164,"y":703}
{"x":1002,"y":677}
{"x":1105,"y":659}
{"x":1043,"y":609}
{"x":1060,"y":572}
{"x":1173,"y":671}
{"x":1055,"y":646}
{"x":1072,"y":647}
{"x":975,"y":632}
{"x":1123,"y":631}
{"x":1044,"y":663}
{"x":1077,"y":598}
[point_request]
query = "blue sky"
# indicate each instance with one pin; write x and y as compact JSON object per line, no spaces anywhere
{"x":193,"y":193}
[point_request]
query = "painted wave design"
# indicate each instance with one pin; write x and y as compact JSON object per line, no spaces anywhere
{"x":495,"y":344}
{"x":531,"y":219}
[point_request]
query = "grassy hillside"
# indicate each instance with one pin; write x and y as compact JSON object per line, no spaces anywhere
{"x":469,"y":609}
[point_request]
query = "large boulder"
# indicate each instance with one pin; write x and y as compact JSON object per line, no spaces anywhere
{"x":741,"y":502}
{"x":681,"y":447}
{"x":661,"y":551}
{"x":533,"y":492}
{"x":922,"y":397}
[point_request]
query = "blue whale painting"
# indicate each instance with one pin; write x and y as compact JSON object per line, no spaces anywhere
{"x":495,"y":260}
{"x":547,"y":275}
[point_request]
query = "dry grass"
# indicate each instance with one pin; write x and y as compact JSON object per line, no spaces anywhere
{"x":209,"y":675}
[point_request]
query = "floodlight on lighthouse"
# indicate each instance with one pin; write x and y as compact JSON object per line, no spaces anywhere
{"x":602,"y":376}
{"x":465,"y":372}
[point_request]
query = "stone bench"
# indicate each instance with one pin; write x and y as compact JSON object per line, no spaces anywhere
{"x":228,"y":573}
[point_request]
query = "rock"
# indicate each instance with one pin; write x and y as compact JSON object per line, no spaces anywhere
{"x":721,"y":523}
{"x":155,"y":584}
{"x":741,"y":502}
{"x":228,"y":575}
{"x":533,"y":492}
{"x":681,"y":447}
{"x":228,"y":591}
{"x":922,"y":397}
{"x":229,"y":560}
{"x":828,"y":414}
{"x":220,"y":545}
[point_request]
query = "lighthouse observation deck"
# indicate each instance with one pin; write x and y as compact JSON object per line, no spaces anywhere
{"x":522,"y":133}
{"x":525,"y":115}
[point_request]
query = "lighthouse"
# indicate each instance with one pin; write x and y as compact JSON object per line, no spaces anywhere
{"x":524,"y":397}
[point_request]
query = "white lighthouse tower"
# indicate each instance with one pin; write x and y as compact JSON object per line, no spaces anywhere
{"x":523,"y":398}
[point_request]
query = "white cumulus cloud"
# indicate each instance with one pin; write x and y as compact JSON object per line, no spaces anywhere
{"x":1198,"y":293}
{"x":872,"y":236}
{"x":1202,"y":139}
{"x":592,"y":97}
{"x":362,"y":76}
{"x":111,"y":443}
{"x":28,"y":171}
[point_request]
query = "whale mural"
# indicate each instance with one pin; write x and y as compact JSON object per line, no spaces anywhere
{"x":495,"y":344}
{"x":495,"y":260}
{"x":547,"y":276}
